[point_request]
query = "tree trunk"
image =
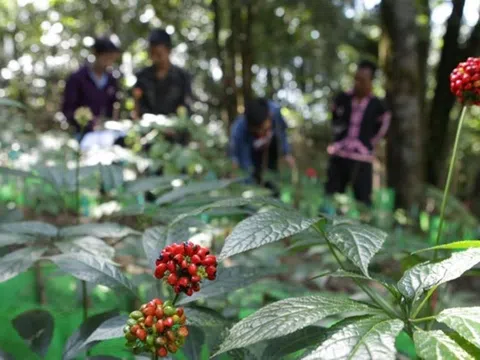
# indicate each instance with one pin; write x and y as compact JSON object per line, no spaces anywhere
{"x":443,"y":100}
{"x":404,"y":145}
{"x":247,"y":51}
{"x":230,"y":67}
{"x":424,"y":30}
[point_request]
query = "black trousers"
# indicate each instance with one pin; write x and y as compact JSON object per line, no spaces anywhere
{"x":342,"y":171}
{"x":266,"y":158}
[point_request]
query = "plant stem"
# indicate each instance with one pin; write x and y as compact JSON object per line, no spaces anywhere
{"x":154,"y":356}
{"x":371,"y":294}
{"x":424,"y":301}
{"x":77,"y":184}
{"x":449,"y":178}
{"x":39,"y":283}
{"x":175,"y":299}
{"x":85,"y":300}
{"x":428,"y":318}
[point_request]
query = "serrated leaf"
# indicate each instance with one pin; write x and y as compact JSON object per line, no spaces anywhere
{"x":184,"y":230}
{"x":12,"y":239}
{"x":33,"y":228}
{"x":229,"y":203}
{"x":301,"y":339}
{"x":205,"y":318}
{"x":19,"y":261}
{"x":359,"y":243}
{"x":228,"y":280}
{"x":101,"y":231}
{"x":193,"y":343}
{"x":35,"y":327}
{"x":435,"y":345}
{"x":154,"y":240}
{"x":109,"y":329}
{"x":76,"y":343}
{"x":191,"y":189}
{"x":88,"y":244}
{"x":427,"y":275}
{"x":262,"y":229}
{"x":92,"y":269}
{"x":370,"y":338}
{"x":465,"y":321}
{"x":285,"y":317}
{"x":458,"y":245}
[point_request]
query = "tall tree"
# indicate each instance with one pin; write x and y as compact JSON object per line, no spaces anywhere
{"x":402,"y":69}
{"x":247,"y":50}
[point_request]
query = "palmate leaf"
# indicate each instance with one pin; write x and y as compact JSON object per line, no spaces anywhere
{"x":92,"y":269}
{"x":285,"y":317}
{"x":435,"y":345}
{"x":191,"y":189}
{"x":36,"y":328}
{"x":262,"y":229}
{"x":19,"y":261}
{"x":229,"y":203}
{"x":87,"y":244}
{"x":228,"y":280}
{"x":101,"y":231}
{"x":370,"y":338}
{"x":465,"y":321}
{"x":359,"y":243}
{"x":427,"y":275}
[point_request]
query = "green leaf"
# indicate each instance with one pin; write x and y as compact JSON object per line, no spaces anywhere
{"x":6,"y":356}
{"x":369,"y":338}
{"x":154,"y":240}
{"x":112,"y":176}
{"x":87,"y":244}
{"x":435,"y":345}
{"x":19,"y":261}
{"x":288,"y":344}
{"x":92,"y":269}
{"x":143,"y":185}
{"x":184,"y":230}
{"x":427,"y":275}
{"x":359,"y":243}
{"x":262,"y":229}
{"x":193,"y":344}
{"x":12,"y":103}
{"x":36,"y":328}
{"x":465,"y":321}
{"x":12,"y":239}
{"x":109,"y":329}
{"x":464,"y":344}
{"x":15,"y":172}
{"x":34,"y":228}
{"x":76,"y":343}
{"x":459,"y":245}
{"x":228,"y":280}
{"x":191,"y":189}
{"x":102,"y":231}
{"x":285,"y":317}
{"x":229,"y":203}
{"x":103,"y":357}
{"x":205,"y":318}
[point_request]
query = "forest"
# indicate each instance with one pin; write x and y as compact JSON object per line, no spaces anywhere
{"x":219,"y":179}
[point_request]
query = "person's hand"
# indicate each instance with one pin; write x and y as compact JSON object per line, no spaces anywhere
{"x":290,"y":160}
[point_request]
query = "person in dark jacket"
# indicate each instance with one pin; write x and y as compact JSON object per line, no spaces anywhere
{"x":93,"y":86}
{"x":359,"y":121}
{"x":258,"y":139}
{"x":162,"y":87}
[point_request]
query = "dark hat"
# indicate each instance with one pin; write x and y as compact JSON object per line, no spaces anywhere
{"x":105,"y":45}
{"x":160,"y":37}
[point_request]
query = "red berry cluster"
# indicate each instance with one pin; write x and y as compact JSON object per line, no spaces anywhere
{"x":465,"y":81}
{"x":185,"y":265}
{"x":311,"y":173}
{"x":156,"y":328}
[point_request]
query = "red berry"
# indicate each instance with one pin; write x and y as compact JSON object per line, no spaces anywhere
{"x":211,"y":270}
{"x":171,"y":267}
{"x":202,"y":252}
{"x":134,"y":329}
{"x":183,"y":331}
{"x":141,"y":334}
{"x":171,"y":336}
{"x":189,"y":292}
{"x":157,"y":301}
{"x":160,"y":326}
{"x":160,"y":270}
{"x":162,"y":352}
{"x":172,"y":279}
{"x":195,"y":279}
{"x":180,"y":311}
{"x":209,"y":260}
{"x":178,"y":258}
{"x":177,"y":289}
{"x":211,"y":277}
{"x":149,"y":320}
{"x":192,"y":269}
{"x":196,"y":287}
{"x":159,"y":312}
{"x":196,"y":259}
{"x":189,"y":249}
{"x":149,"y":310}
{"x":183,"y":281}
{"x":168,"y":322}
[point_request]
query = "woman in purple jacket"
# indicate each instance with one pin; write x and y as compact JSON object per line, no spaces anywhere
{"x":93,"y":86}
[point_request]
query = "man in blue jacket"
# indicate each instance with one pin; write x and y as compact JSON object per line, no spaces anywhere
{"x":258,"y":138}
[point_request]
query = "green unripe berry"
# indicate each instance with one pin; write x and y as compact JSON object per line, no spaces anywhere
{"x":136,"y":314}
